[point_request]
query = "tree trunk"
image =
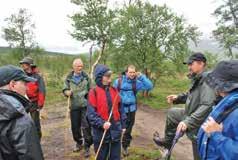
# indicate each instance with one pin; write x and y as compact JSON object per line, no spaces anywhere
{"x":98,"y":59}
{"x":22,"y":43}
{"x":233,"y":13}
{"x":90,"y":58}
{"x":230,"y":52}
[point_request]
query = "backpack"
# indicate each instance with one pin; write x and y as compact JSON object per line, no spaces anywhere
{"x":133,"y":85}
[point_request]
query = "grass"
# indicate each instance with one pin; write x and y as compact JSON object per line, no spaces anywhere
{"x":54,"y":95}
{"x":136,"y":153}
{"x":164,"y":87}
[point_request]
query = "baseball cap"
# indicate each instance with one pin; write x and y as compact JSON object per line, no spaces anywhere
{"x":10,"y":72}
{"x":196,"y":57}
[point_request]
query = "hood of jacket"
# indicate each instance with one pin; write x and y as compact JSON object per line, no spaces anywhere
{"x":100,"y":70}
{"x":12,"y":105}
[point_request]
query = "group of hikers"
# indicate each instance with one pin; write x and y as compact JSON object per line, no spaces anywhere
{"x":103,"y":108}
{"x":103,"y":115}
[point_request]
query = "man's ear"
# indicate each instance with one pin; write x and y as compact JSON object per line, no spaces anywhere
{"x":11,"y":84}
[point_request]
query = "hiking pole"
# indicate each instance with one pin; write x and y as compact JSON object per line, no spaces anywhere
{"x":68,"y":106}
{"x":122,"y":136}
{"x":175,"y":140}
{"x":66,"y":122}
{"x":105,"y":131}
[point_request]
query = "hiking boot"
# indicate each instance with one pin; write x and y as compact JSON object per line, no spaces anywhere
{"x":86,"y":152}
{"x":78,"y":148}
{"x":125,"y":152}
{"x":160,"y":141}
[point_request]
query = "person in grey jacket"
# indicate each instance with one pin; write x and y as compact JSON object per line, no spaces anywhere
{"x":76,"y":86}
{"x":198,"y":104}
{"x":18,"y":135}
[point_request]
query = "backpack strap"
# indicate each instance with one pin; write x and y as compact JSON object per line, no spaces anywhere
{"x":95,"y":92}
{"x":133,"y":85}
{"x":119,"y":83}
{"x":222,"y":116}
{"x":134,"y":88}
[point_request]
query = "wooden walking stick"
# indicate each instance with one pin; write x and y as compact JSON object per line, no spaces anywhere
{"x":66,"y":123}
{"x":105,"y":131}
{"x":122,"y":136}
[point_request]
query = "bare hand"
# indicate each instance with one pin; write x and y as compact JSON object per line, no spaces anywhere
{"x":171,"y":98}
{"x":43,"y":114}
{"x":68,"y":93}
{"x":182,"y":127}
{"x":106,"y":125}
{"x":211,"y":126}
{"x":138,"y":74}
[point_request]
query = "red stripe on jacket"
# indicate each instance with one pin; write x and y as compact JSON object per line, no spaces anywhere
{"x":98,"y":100}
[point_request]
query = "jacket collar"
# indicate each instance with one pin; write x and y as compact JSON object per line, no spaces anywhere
{"x":197,"y":79}
{"x":12,"y":105}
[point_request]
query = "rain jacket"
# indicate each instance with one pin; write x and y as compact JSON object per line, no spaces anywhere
{"x":80,"y":86}
{"x":99,"y":103}
{"x":36,"y":90}
{"x":198,"y":104}
{"x":18,"y":137}
{"x":221,"y":145}
{"x":128,"y":95}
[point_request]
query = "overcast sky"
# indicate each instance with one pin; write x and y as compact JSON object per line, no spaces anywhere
{"x":53,"y":25}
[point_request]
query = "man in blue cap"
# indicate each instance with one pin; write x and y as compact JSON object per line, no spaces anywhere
{"x":18,"y":138}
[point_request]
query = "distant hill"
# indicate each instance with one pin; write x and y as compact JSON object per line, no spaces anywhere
{"x":5,"y":50}
{"x":204,"y":45}
{"x":208,"y":45}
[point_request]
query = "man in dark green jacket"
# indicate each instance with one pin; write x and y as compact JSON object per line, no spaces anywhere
{"x":198,"y":104}
{"x":77,"y":85}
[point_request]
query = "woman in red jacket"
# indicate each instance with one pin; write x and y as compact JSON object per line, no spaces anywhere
{"x":102,"y":100}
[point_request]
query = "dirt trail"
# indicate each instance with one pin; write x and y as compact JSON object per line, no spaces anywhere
{"x":148,"y":121}
{"x":57,"y":141}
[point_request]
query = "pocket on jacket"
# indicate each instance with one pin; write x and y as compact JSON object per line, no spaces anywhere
{"x":116,"y":131}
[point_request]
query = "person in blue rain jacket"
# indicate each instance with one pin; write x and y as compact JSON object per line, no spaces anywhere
{"x":128,"y":84}
{"x":218,"y":136}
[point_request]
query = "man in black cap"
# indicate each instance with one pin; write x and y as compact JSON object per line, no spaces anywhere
{"x":198,"y":104}
{"x":18,"y":138}
{"x":35,"y":90}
